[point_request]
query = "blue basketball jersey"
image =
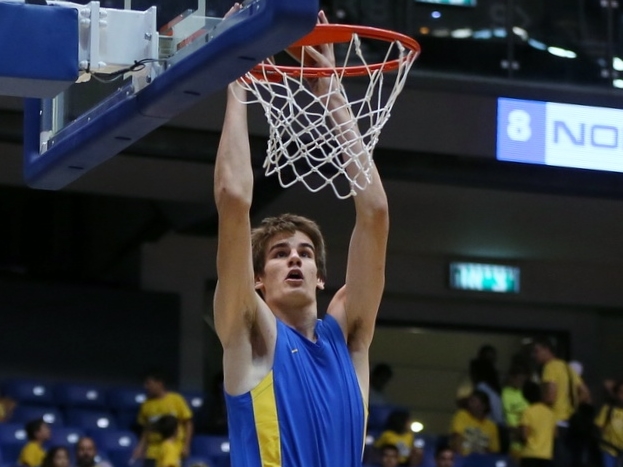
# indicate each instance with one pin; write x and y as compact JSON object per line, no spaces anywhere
{"x":307,"y":412}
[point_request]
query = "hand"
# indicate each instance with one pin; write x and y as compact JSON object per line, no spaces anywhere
{"x":137,"y":453}
{"x":234,"y":9}
{"x":323,"y":57}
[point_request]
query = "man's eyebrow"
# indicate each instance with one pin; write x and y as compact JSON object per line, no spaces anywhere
{"x":285,"y":244}
{"x":278,"y":245}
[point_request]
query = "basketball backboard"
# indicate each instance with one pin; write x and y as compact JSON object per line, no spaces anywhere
{"x":139,"y":64}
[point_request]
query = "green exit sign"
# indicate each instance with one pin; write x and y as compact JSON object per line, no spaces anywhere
{"x":484,"y":277}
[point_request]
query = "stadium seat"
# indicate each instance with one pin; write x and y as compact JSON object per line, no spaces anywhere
{"x":65,"y":436}
{"x":25,"y":413}
{"x":79,"y":396}
{"x":91,"y":421}
{"x":428,"y":442}
{"x":12,"y":440}
{"x":195,"y":400}
{"x":377,"y":416}
{"x":117,"y":444}
{"x":125,"y":404}
{"x":215,"y":448}
{"x":125,"y":399}
{"x":127,"y":420}
{"x":29,"y":392}
{"x":197,"y":461}
{"x":487,"y":460}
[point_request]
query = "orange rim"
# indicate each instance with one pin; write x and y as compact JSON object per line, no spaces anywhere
{"x":334,"y":34}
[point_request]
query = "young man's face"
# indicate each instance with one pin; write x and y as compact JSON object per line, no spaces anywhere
{"x":44,"y":432}
{"x":85,"y":452}
{"x":153,"y":387}
{"x":445,"y":458}
{"x":540,"y":353}
{"x":476,"y":407}
{"x":290,"y":271}
{"x":61,"y":459}
{"x":389,"y":458}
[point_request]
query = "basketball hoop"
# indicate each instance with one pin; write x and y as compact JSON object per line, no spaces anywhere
{"x":306,"y":144}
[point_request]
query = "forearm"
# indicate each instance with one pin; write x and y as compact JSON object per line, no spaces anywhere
{"x":189,"y":431}
{"x":233,"y":174}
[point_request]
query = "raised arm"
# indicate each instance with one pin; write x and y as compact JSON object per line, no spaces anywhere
{"x":356,"y":304}
{"x":235,"y":301}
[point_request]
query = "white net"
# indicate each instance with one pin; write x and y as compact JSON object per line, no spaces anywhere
{"x":306,"y":143}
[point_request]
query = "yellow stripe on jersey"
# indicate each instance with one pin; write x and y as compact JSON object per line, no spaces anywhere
{"x":266,"y":422}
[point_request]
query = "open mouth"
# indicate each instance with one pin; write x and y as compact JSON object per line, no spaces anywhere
{"x":295,"y":276}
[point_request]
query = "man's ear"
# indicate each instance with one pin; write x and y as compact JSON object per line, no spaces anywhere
{"x":258,"y":283}
{"x":320,"y":284}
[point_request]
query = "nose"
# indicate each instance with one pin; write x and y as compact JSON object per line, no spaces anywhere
{"x":294,"y":257}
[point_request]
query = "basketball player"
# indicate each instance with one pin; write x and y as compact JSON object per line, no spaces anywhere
{"x":296,"y":386}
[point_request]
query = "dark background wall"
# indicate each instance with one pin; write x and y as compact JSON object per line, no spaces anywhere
{"x":81,"y":333}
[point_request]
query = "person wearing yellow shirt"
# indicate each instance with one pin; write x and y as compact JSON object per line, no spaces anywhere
{"x":169,"y":454}
{"x":537,"y":428}
{"x":610,"y":423}
{"x":398,"y":433}
{"x":32,"y":454}
{"x":564,"y":390}
{"x":161,"y":402}
{"x":471,"y":431}
{"x":514,"y":404}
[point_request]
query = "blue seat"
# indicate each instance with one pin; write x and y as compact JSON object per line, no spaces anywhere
{"x":377,"y":416}
{"x":197,"y":461}
{"x":65,"y":436}
{"x":126,"y":420}
{"x":125,"y":399}
{"x":117,"y":444}
{"x":487,"y":460}
{"x":195,"y":400}
{"x":91,"y":421}
{"x":26,"y":413}
{"x":80,"y":396}
{"x":215,"y":448}
{"x":115,"y":440}
{"x":120,"y":458}
{"x":29,"y":392}
{"x":12,"y":440}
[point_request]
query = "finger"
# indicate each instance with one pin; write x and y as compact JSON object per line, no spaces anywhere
{"x":318,"y":57}
{"x":236,"y":7}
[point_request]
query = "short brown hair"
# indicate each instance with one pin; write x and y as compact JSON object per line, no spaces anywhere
{"x":289,"y":223}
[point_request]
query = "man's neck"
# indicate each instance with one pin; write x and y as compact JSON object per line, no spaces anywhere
{"x":303,"y":320}
{"x":160,"y":395}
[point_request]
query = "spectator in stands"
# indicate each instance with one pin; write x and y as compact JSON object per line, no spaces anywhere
{"x":486,"y":357}
{"x":537,"y":428}
{"x":444,"y":456}
{"x":514,"y":404}
{"x":7,"y":405}
{"x":161,"y":402}
{"x":610,"y":424}
{"x":380,"y":376}
{"x":38,"y":432}
{"x":564,"y":390}
{"x":86,"y":453}
{"x":489,"y":354}
{"x":471,"y":431}
{"x":390,"y":457}
{"x":57,"y":456}
{"x":170,"y":454}
{"x":398,"y":433}
{"x":484,"y":378}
